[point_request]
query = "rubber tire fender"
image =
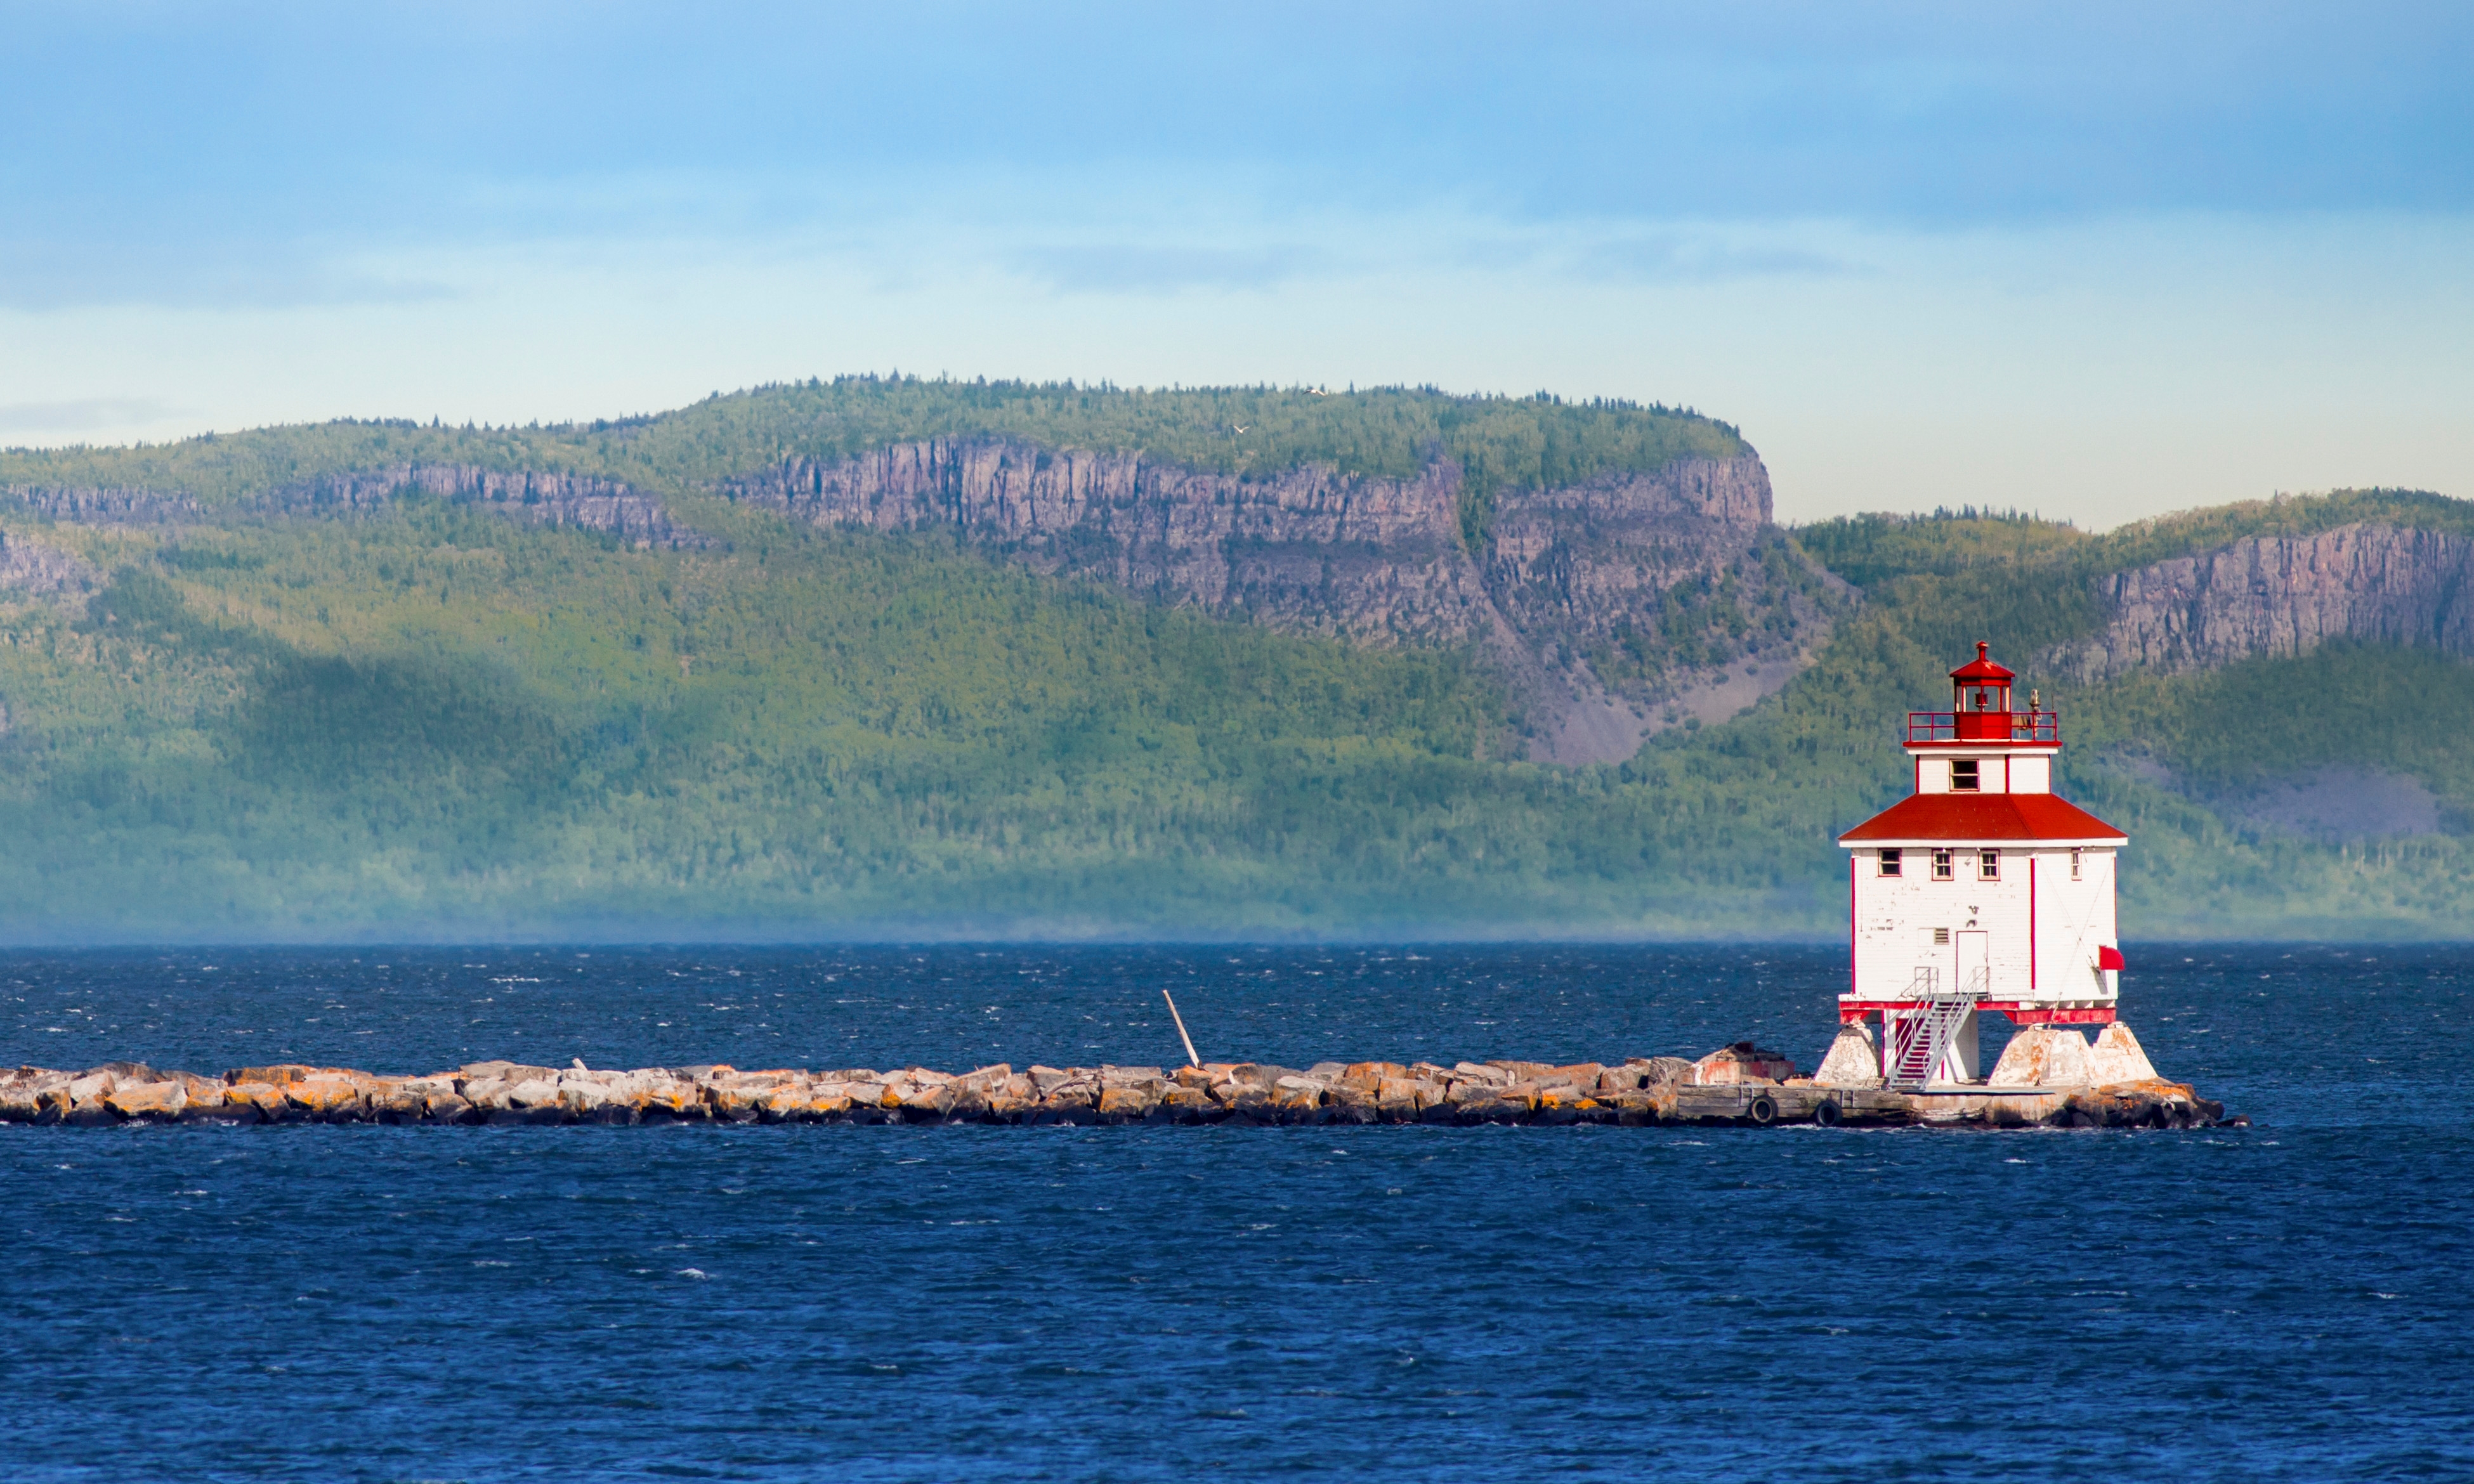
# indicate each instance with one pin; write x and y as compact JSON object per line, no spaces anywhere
{"x":1763,"y":1110}
{"x":1826,"y":1112}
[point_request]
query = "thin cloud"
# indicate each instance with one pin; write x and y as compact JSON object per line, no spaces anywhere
{"x":1104,"y":269}
{"x":83,"y":413}
{"x":44,"y":275}
{"x":1677,"y":257}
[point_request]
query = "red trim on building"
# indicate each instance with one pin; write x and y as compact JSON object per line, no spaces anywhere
{"x":2020,"y":746}
{"x":1851,"y":923}
{"x":2022,"y":1014}
{"x":2032,"y":923}
{"x":1971,"y":816}
{"x":2019,"y":1013}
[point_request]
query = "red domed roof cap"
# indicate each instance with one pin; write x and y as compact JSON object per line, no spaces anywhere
{"x":1981,"y":668}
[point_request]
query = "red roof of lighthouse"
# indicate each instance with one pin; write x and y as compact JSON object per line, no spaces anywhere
{"x":1982,"y":667}
{"x":1966,"y":818}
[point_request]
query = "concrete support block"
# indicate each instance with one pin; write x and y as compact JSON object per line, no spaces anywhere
{"x":2044,"y":1056}
{"x":2118,"y":1057}
{"x":1853,"y":1060}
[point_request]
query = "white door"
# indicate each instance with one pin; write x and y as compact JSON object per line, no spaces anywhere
{"x":1958,"y":1063}
{"x":1974,"y":968}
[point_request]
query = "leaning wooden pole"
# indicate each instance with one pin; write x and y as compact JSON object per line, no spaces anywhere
{"x":1191,"y":1059}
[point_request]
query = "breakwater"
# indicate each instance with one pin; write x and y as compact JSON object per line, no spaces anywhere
{"x":1734,"y":1085}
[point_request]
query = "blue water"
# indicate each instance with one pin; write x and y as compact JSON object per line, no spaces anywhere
{"x":2290,"y":1301}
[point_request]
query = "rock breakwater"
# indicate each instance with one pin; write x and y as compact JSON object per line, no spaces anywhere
{"x":1638,"y":1091}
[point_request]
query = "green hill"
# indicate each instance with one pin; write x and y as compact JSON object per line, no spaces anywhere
{"x":422,"y":718}
{"x":1497,"y":441}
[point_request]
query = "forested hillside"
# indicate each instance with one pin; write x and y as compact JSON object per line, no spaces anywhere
{"x":236,"y":717}
{"x":1496,"y":441}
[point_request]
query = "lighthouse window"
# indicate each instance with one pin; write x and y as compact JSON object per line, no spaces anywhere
{"x":1988,"y":866}
{"x":1962,"y":776}
{"x":2075,"y":865}
{"x":1890,"y":860}
{"x":1942,"y":870}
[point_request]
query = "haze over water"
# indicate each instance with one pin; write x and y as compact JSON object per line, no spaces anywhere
{"x":790,"y":1302}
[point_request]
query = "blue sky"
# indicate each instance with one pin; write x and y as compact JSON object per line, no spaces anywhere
{"x":2097,"y":260}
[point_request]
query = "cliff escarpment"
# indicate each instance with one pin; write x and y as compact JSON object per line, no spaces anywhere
{"x":1573,"y":581}
{"x":99,"y":505}
{"x":2282,"y":596}
{"x":39,"y":570}
{"x":1309,"y":550}
{"x":1625,"y":601}
{"x":532,"y":496}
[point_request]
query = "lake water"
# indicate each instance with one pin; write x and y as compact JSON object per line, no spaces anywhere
{"x":2290,"y":1301}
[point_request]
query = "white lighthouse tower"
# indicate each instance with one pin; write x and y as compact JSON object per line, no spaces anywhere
{"x":1982,"y":890}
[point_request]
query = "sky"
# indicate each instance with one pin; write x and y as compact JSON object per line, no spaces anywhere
{"x":2097,"y":261}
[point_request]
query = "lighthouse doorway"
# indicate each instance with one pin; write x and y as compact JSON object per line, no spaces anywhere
{"x":1974,"y":972}
{"x":1975,"y":978}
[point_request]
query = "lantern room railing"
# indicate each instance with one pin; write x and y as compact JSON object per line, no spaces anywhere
{"x":1985,"y":727}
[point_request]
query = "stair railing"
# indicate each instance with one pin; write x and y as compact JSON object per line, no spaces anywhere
{"x":1920,"y":1038}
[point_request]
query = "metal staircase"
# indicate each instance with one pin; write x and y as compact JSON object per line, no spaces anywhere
{"x":1918,"y":1037}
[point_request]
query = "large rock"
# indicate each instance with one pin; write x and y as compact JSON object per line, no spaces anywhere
{"x":1129,"y":1104}
{"x":1298,"y":1099}
{"x":1491,"y":1105}
{"x":1742,"y":1061}
{"x":326,"y":1096}
{"x":202,"y":1097}
{"x":410,"y":1099}
{"x":23,"y":1091}
{"x":147,"y":1099}
{"x":2154,"y":1104}
{"x":259,"y":1100}
{"x":1185,"y":1104}
{"x":1071,"y":1101}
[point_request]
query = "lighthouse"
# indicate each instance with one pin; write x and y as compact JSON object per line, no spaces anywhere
{"x":1982,"y":890}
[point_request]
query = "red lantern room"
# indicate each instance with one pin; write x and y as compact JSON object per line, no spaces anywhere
{"x":1982,"y":891}
{"x":1980,"y":698}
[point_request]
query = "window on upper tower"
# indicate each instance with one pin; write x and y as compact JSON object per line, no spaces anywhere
{"x":1891,"y":862}
{"x":1943,"y":869}
{"x":1963,"y":775}
{"x":1988,"y":865}
{"x":2074,"y":864}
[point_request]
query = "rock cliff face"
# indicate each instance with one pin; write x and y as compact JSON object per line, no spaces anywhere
{"x":2282,"y":595}
{"x":37,"y":570}
{"x":1313,"y":550}
{"x":1614,"y":606}
{"x":92,"y":506}
{"x":1309,"y":550}
{"x":533,"y":497}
